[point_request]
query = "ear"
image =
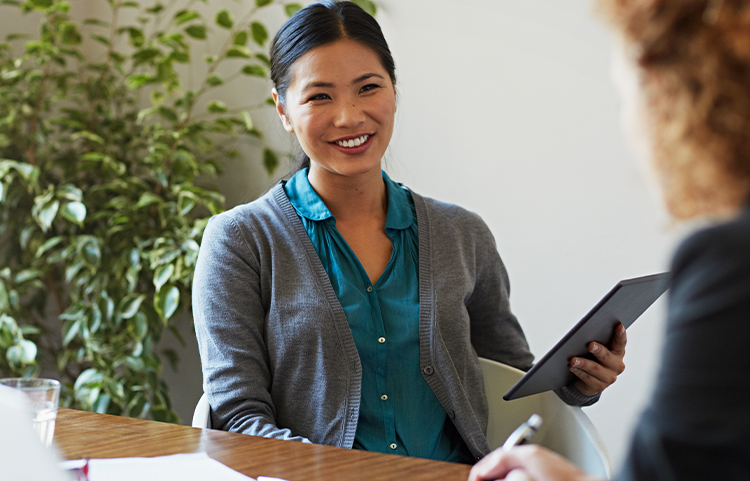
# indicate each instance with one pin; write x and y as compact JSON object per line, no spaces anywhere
{"x":282,"y":113}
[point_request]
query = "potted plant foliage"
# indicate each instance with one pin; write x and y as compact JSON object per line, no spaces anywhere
{"x":105,"y":160}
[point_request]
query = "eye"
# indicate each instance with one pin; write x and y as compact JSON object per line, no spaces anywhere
{"x":319,"y":97}
{"x":369,"y":87}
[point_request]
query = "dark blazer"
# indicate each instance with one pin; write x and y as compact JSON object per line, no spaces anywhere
{"x":697,"y":426}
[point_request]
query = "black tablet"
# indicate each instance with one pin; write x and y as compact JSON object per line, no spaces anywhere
{"x":624,"y":303}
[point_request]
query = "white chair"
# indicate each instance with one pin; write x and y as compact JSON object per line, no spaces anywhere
{"x":202,"y":413}
{"x":565,"y":429}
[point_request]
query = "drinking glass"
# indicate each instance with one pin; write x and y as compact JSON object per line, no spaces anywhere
{"x":44,"y":395}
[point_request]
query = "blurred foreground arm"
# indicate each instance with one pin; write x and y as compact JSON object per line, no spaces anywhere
{"x":523,"y":463}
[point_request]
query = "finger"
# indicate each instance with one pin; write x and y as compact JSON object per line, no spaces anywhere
{"x":588,"y":384}
{"x":495,"y":465}
{"x":518,"y":475}
{"x":601,"y":372}
{"x":606,"y":358}
{"x":620,"y":341}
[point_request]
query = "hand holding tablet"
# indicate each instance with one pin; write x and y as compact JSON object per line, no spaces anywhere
{"x":622,"y":305}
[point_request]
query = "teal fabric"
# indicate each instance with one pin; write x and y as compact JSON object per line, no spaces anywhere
{"x":398,"y":408}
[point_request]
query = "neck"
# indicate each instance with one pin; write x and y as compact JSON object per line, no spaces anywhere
{"x":351,"y":198}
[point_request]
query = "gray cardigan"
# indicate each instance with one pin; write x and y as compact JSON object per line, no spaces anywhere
{"x":278,"y":357}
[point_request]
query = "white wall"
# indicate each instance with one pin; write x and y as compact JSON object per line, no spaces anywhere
{"x":506,"y":108}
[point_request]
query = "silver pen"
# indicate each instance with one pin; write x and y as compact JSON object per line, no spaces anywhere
{"x":523,"y":433}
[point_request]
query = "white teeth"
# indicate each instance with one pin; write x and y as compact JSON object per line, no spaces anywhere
{"x":353,"y":142}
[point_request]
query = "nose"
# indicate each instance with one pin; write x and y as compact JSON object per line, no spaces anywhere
{"x":349,"y":114}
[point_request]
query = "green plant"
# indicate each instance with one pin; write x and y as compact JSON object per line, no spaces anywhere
{"x":104,"y":156}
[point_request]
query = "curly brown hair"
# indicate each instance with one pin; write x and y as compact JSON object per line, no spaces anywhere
{"x":694,"y":61}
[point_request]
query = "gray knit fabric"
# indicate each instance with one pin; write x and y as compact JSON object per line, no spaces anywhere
{"x":278,"y":357}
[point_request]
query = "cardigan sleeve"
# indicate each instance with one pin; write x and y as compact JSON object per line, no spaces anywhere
{"x":697,"y":425}
{"x":230,"y":321}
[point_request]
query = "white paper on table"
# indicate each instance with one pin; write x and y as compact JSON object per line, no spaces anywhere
{"x":185,"y":467}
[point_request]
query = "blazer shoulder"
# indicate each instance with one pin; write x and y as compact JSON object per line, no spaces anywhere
{"x":721,"y":245}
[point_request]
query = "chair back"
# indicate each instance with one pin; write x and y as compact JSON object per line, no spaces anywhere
{"x":565,"y":429}
{"x":202,"y":413}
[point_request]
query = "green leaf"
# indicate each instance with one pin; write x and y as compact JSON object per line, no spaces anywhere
{"x":259,"y":33}
{"x":69,"y":34}
{"x":138,"y":326}
{"x":100,"y":38}
{"x":91,"y":253}
{"x":47,"y":214}
{"x":4,"y":302}
{"x":28,"y":351}
{"x":128,"y":5}
{"x":136,"y":38}
{"x":217,"y":107}
{"x":247,"y":119}
{"x":168,"y":113}
{"x":147,"y":198}
{"x":180,"y":56}
{"x":214,"y":80}
{"x":129,"y":305}
{"x":102,"y":403}
{"x":255,"y":70}
{"x":40,"y":4}
{"x":263,"y":3}
{"x":196,"y":31}
{"x":367,"y":6}
{"x":96,"y":318}
{"x":240,"y":39}
{"x":158,"y":7}
{"x":27,"y":275}
{"x":96,"y":21}
{"x":87,"y":135}
{"x":116,"y":390}
{"x":88,"y":378}
{"x":75,"y":212}
{"x":163,"y":256}
{"x":185,"y":16}
{"x":69,"y":192}
{"x":144,"y":55}
{"x":166,"y":302}
{"x":70,"y":333}
{"x":270,"y":160}
{"x":224,"y":19}
{"x":238,"y":52}
{"x":264,"y":58}
{"x":292,"y":8}
{"x":162,"y":275}
{"x":48,"y":244}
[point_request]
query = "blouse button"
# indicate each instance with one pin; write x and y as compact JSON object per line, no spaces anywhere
{"x":383,"y":397}
{"x":452,"y":414}
{"x":381,"y":340}
{"x":393,"y":445}
{"x":369,"y":288}
{"x":427,"y":370}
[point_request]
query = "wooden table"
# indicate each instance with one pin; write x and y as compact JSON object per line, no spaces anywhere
{"x":80,"y":434}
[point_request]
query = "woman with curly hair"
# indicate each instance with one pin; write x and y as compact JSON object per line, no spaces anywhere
{"x":683,"y":71}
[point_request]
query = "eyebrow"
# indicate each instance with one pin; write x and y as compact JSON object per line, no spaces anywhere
{"x":357,"y":80}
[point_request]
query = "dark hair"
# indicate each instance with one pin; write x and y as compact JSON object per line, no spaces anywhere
{"x":319,"y":24}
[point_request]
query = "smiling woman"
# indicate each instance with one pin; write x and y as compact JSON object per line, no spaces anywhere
{"x":342,"y":308}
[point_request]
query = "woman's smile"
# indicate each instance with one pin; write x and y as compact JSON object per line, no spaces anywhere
{"x":354,"y":145}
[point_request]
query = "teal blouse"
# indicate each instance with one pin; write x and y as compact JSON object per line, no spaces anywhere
{"x":399,"y":413}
